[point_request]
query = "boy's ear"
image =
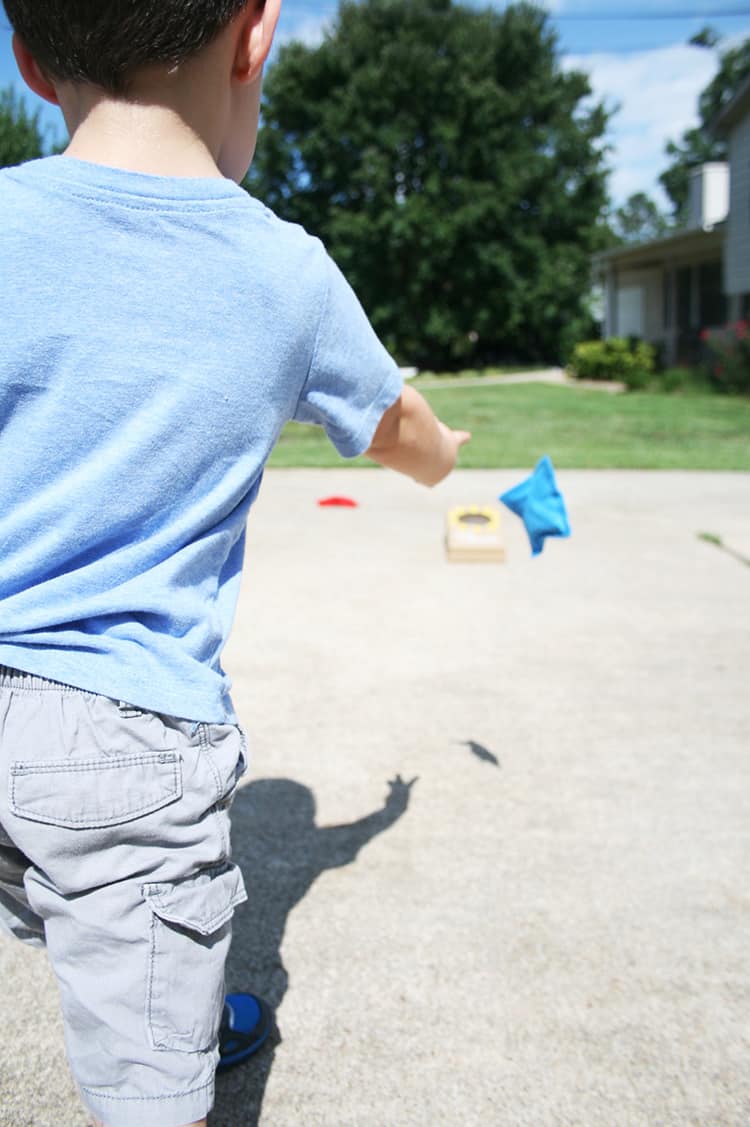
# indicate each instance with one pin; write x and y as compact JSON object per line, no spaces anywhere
{"x":32,"y":73}
{"x":257,"y":27}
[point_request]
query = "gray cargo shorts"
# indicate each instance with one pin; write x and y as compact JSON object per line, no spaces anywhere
{"x":114,"y":850}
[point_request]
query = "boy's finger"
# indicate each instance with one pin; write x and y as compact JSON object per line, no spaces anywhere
{"x":462,"y":436}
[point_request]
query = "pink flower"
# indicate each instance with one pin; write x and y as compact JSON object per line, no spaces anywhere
{"x":705,"y":334}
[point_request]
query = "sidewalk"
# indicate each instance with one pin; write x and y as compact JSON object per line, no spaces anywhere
{"x":551,"y":927}
{"x":544,"y":375}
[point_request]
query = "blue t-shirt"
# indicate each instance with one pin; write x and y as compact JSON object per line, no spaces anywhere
{"x":157,"y":333}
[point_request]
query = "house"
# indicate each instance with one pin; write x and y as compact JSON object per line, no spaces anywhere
{"x":734,"y":123}
{"x":671,"y":289}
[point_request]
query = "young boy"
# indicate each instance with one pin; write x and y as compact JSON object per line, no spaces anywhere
{"x":160,"y":327}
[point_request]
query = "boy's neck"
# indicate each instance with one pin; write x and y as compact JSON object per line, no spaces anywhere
{"x":138,"y":137}
{"x":173,"y":122}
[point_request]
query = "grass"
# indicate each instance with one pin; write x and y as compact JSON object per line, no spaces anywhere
{"x":712,"y":538}
{"x":514,"y":425}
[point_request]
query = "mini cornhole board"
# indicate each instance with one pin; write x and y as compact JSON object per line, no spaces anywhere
{"x":473,"y":534}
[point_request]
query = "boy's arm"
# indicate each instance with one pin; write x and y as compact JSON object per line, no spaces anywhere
{"x":412,"y":440}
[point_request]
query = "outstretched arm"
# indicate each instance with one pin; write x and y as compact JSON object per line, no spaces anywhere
{"x":339,"y":845}
{"x":412,"y":440}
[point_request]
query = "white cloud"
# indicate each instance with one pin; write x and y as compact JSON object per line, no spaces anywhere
{"x":308,"y":31}
{"x":657,"y":92}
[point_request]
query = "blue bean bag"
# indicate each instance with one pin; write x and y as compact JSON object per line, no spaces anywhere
{"x":539,"y":504}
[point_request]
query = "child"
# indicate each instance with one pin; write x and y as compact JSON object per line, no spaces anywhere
{"x":160,"y":327}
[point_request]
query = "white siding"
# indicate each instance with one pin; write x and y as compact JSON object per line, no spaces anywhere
{"x":737,"y":258}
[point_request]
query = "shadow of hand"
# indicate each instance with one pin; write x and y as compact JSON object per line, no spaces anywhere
{"x":398,"y":795}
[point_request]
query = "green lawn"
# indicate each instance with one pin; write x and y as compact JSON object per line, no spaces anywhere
{"x":514,"y":425}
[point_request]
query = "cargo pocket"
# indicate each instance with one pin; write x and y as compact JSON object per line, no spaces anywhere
{"x":190,"y":933}
{"x":93,"y":793}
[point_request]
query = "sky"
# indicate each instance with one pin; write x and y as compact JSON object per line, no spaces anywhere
{"x":636,"y":53}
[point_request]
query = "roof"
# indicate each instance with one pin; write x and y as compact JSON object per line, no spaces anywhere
{"x":686,"y":241}
{"x":733,"y":111}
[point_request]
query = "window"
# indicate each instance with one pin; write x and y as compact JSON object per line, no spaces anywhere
{"x":630,"y":311}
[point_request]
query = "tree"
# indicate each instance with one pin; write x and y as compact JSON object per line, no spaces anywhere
{"x":20,"y":132}
{"x":706,"y":37}
{"x":698,"y":146}
{"x":639,"y":220}
{"x":454,"y":171}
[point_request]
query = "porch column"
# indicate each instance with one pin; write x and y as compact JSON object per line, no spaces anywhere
{"x":670,"y":314}
{"x":695,"y":298}
{"x":610,"y":313}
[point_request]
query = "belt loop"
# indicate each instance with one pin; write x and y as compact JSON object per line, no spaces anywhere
{"x":128,"y":711}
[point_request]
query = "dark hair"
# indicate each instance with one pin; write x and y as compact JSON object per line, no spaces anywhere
{"x":105,"y":42}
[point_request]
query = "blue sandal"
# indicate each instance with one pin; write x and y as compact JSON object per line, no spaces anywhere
{"x":245,"y":1025}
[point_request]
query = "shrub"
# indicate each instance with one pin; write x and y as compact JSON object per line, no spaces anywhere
{"x":681,"y":380}
{"x":727,"y":361}
{"x":579,"y":328}
{"x":629,"y":361}
{"x":636,"y":378}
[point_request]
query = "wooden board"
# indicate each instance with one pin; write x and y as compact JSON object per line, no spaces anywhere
{"x":474,"y":535}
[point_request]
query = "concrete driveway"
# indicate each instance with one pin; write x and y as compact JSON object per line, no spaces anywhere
{"x":551,"y":926}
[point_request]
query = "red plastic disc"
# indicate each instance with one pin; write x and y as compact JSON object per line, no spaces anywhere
{"x":337,"y":502}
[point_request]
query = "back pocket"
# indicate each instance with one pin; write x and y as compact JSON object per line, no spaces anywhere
{"x":93,"y":793}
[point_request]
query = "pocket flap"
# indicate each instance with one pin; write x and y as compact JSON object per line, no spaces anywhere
{"x":93,"y":793}
{"x":200,"y":903}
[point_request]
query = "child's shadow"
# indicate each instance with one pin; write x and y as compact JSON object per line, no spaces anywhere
{"x":281,"y":852}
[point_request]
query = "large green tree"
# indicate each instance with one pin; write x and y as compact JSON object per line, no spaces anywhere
{"x":454,"y":170}
{"x":20,"y":133}
{"x":699,"y":145}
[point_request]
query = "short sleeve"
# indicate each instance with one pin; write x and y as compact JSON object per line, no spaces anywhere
{"x":352,"y":379}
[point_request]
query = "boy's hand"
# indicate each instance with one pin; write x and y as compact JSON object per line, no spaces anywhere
{"x":454,"y":440}
{"x":412,"y":440}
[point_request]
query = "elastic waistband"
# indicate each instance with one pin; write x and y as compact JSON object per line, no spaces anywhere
{"x":16,"y":679}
